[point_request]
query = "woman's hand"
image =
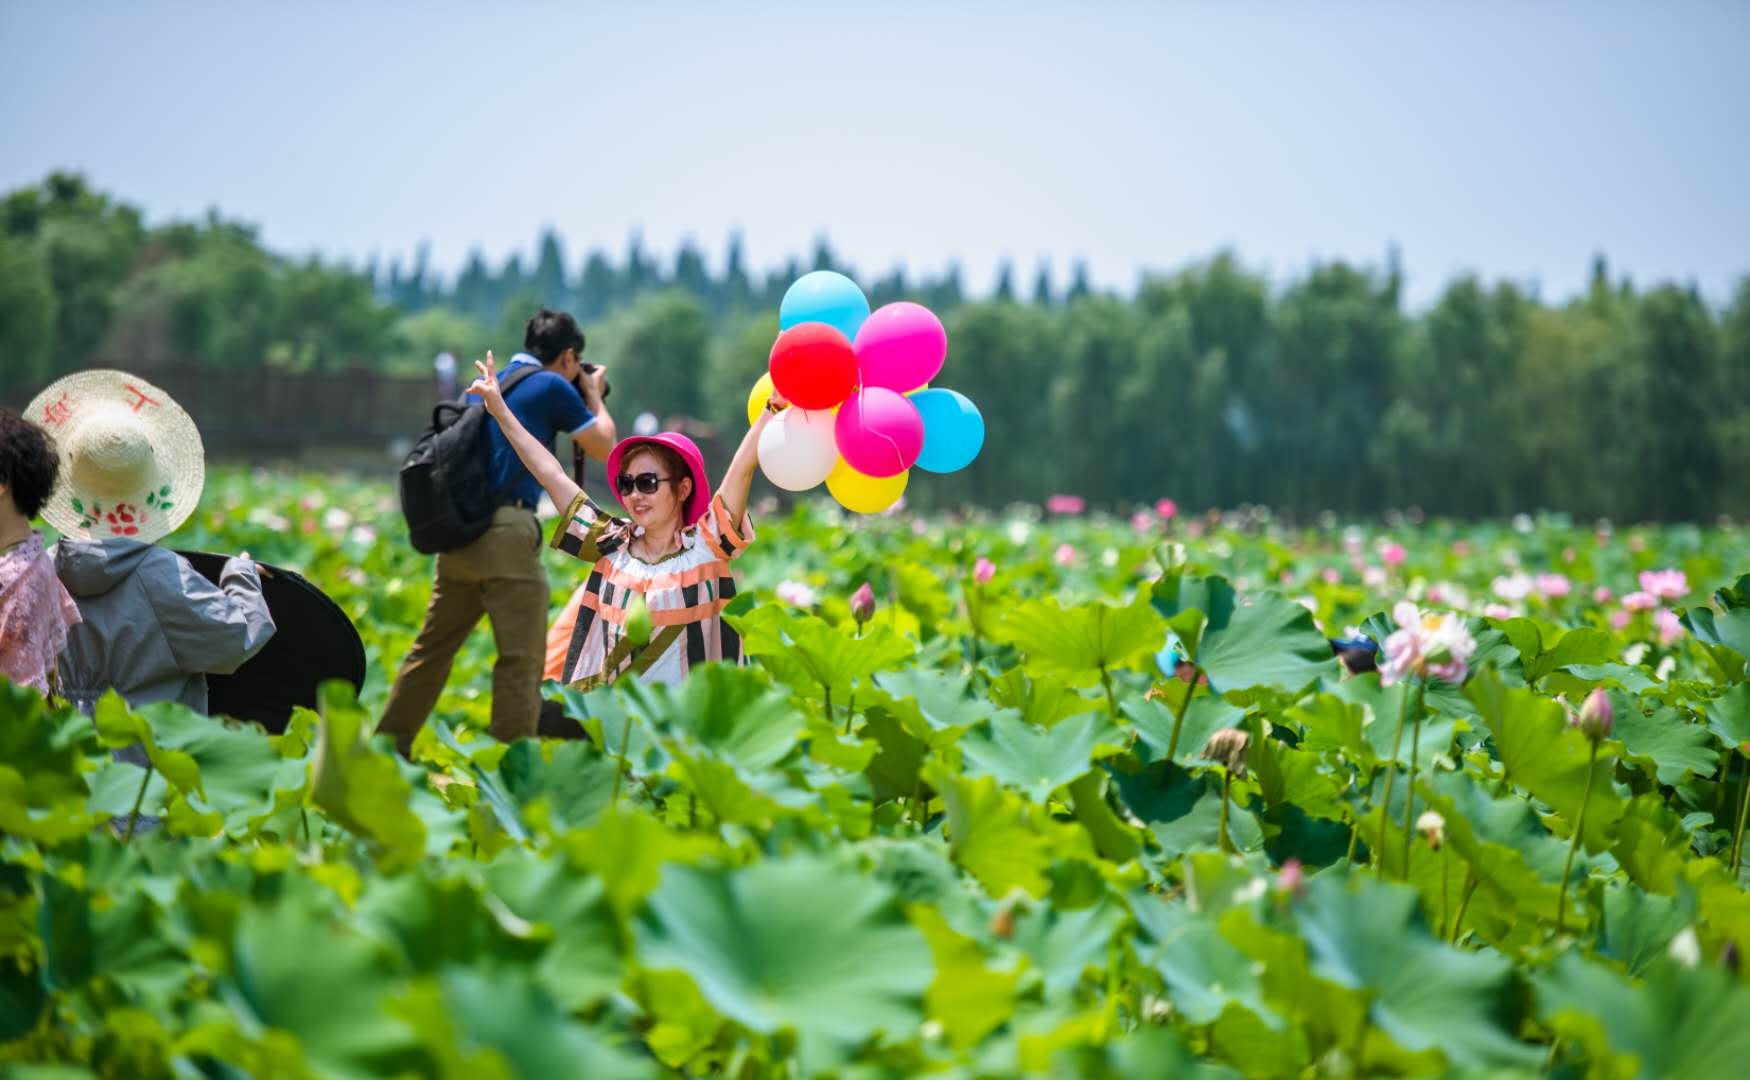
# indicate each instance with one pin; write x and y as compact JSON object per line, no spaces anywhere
{"x":487,"y":385}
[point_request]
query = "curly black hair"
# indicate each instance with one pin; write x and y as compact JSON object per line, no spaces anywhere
{"x":28,"y":462}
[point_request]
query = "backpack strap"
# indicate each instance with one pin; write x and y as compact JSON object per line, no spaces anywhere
{"x":513,"y":379}
{"x":505,"y":386}
{"x":643,"y":658}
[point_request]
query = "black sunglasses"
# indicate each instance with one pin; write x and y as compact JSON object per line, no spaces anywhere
{"x":645,"y":482}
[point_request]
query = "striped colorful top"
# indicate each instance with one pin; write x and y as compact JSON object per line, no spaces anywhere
{"x":688,"y":589}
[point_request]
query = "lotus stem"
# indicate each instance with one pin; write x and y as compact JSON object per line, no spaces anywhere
{"x":1391,"y":772}
{"x":139,"y":797}
{"x":1444,"y":893}
{"x":1179,"y":717}
{"x":1226,"y":786}
{"x":1410,"y":790}
{"x":1355,"y":829}
{"x":1738,"y":834}
{"x":1470,"y":886}
{"x":625,"y":751}
{"x":1574,"y":844}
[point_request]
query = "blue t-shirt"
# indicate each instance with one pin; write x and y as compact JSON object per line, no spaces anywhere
{"x":546,"y":405}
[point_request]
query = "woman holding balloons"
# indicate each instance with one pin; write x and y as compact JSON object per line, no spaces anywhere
{"x":860,"y":416}
{"x":660,"y":579}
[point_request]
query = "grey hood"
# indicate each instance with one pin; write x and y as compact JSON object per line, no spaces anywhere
{"x":94,"y":567}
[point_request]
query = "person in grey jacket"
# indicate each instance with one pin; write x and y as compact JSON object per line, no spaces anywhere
{"x":153,"y":627}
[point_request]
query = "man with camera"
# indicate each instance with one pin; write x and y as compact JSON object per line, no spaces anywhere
{"x":500,"y":574}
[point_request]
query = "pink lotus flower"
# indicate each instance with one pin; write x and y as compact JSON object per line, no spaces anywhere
{"x":1393,"y":554}
{"x":1602,"y":595}
{"x":1142,"y":521}
{"x":1426,"y":645}
{"x":1497,"y":611}
{"x":1619,"y":619}
{"x":1512,"y":587}
{"x":1331,"y":575}
{"x":1461,"y":548}
{"x":1596,"y":717}
{"x":1291,"y":879}
{"x":983,"y":571}
{"x":1569,"y":555}
{"x":1373,"y":577}
{"x":795,"y":593}
{"x":1066,"y":504}
{"x":1665,"y":584}
{"x":1065,"y":555}
{"x":1640,"y":601}
{"x":1166,"y":509}
{"x":1670,"y":627}
{"x":1554,"y":586}
{"x":863,"y":604}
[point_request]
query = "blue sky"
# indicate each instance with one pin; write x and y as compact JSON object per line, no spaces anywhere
{"x":1509,"y":139}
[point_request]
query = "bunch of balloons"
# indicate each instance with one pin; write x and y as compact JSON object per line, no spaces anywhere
{"x":863,"y":413}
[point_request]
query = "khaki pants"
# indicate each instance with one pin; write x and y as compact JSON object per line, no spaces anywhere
{"x":499,"y":575}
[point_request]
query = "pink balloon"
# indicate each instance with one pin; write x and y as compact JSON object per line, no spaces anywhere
{"x":901,"y":347}
{"x":879,"y":432}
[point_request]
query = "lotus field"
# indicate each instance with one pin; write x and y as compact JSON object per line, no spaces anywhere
{"x":998,"y":828}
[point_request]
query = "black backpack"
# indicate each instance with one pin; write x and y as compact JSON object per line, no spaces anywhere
{"x":446,"y":497}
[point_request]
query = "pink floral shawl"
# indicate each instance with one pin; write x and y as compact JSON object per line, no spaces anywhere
{"x":35,"y":613}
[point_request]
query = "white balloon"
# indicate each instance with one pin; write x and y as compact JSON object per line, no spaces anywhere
{"x":798,"y":449}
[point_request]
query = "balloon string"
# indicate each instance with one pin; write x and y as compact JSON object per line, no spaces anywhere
{"x":898,"y":457}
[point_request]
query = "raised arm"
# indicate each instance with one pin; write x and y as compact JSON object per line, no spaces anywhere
{"x":739,"y":478}
{"x":538,"y":459}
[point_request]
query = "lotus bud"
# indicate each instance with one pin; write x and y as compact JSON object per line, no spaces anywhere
{"x":1432,"y":827}
{"x":638,"y":623}
{"x":1596,"y":716}
{"x":863,"y":604}
{"x":1228,"y":746}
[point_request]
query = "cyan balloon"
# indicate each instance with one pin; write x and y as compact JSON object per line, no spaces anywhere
{"x":953,"y":430}
{"x":824,"y":297}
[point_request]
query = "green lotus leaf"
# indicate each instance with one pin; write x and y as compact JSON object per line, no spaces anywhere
{"x":1082,"y":641}
{"x":1678,"y":1022}
{"x":797,"y":944}
{"x":1547,"y":756}
{"x":1366,"y":935}
{"x":1266,"y":640}
{"x":1036,"y":760}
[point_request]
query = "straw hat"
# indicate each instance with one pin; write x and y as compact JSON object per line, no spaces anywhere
{"x":132,"y":463}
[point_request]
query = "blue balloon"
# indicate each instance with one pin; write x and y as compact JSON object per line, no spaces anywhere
{"x":1167,"y":660}
{"x":824,"y":297}
{"x":953,"y":430}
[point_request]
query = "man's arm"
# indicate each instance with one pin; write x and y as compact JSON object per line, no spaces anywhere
{"x":599,"y":436}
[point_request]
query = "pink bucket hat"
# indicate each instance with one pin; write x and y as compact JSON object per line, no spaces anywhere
{"x":699,"y":501}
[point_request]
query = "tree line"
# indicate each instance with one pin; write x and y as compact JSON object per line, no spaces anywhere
{"x":1210,"y":384}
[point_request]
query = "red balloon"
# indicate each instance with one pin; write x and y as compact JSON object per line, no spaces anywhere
{"x":814,"y":366}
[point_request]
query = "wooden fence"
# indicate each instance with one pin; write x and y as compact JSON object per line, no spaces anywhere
{"x":271,"y":412}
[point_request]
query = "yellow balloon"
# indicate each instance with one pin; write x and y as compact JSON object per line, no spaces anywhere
{"x":865,"y":494}
{"x":758,"y":396}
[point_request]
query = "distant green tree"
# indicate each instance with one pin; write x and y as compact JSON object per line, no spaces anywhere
{"x":27,"y":317}
{"x":88,"y":244}
{"x":548,"y":281}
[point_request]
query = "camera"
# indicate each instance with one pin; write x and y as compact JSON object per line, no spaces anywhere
{"x":589,"y":369}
